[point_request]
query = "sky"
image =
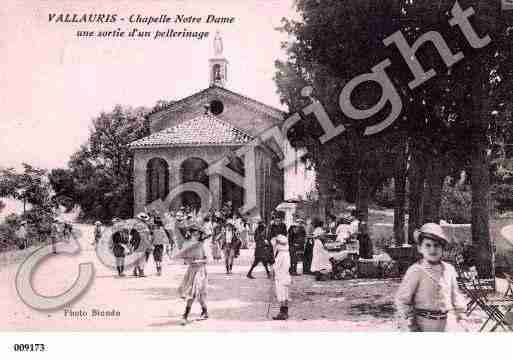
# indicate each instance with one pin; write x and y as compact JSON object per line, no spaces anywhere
{"x":52,"y":83}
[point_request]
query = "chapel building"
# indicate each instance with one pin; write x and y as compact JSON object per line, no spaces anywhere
{"x":194,"y":132}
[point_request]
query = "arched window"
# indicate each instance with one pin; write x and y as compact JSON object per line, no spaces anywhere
{"x":217,"y":72}
{"x":157,"y":179}
{"x":193,"y":170}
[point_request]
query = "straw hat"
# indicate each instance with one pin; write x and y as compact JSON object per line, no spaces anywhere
{"x":432,"y":231}
{"x":143,"y":216}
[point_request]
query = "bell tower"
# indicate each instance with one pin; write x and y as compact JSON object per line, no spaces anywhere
{"x":218,"y":65}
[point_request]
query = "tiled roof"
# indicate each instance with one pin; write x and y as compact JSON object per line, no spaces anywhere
{"x":202,"y":130}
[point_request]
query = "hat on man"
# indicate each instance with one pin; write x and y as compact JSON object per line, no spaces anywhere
{"x":432,"y":231}
{"x":115,"y":219}
{"x":23,"y":222}
{"x":143,"y":216}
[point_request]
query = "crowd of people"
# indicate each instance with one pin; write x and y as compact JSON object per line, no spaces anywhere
{"x":58,"y":231}
{"x":223,"y":233}
{"x":427,"y":293}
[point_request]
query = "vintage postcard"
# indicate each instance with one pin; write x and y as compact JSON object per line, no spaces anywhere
{"x":271,"y":166}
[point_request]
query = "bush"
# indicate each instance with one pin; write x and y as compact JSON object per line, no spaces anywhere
{"x":503,"y":195}
{"x":456,"y":204}
{"x":39,"y":228}
{"x":7,"y":232}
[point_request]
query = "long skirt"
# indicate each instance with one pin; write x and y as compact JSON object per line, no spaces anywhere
{"x":320,"y":258}
{"x":194,"y":283}
{"x":282,"y":276}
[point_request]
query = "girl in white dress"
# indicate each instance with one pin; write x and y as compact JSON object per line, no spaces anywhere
{"x":282,"y":276}
{"x":321,"y":257}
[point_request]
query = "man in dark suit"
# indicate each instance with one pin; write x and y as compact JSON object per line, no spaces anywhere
{"x":296,"y":235}
{"x":276,"y":226}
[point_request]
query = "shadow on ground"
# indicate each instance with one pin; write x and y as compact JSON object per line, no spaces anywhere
{"x":235,"y":297}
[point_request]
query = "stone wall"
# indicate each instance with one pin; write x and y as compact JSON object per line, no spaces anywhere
{"x":269,"y":177}
{"x":174,"y":158}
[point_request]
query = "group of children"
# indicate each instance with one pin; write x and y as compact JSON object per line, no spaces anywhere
{"x":144,"y":236}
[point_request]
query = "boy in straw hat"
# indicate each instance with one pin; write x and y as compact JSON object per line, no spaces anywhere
{"x":429,"y":290}
{"x":282,"y":278}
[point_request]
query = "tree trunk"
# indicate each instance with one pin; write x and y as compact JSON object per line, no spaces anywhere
{"x":480,"y":179}
{"x":363,"y":197}
{"x":400,"y":174}
{"x":433,"y":190}
{"x":416,"y":188}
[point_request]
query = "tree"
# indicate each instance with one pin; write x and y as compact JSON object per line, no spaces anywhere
{"x":30,"y":186}
{"x":99,"y":174}
{"x":333,"y":42}
{"x":446,"y":121}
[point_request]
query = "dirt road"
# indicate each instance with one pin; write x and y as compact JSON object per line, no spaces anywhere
{"x":235,"y":302}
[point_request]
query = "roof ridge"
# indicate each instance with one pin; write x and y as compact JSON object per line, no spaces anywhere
{"x":215,"y":87}
{"x":250,"y":99}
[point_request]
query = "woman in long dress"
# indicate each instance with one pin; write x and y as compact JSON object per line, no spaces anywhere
{"x":282,"y":278}
{"x":244,"y":230}
{"x":320,"y":258}
{"x":194,"y":283}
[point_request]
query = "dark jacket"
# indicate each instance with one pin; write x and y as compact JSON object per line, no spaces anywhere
{"x":263,"y":248}
{"x":136,"y":239}
{"x":117,"y":244}
{"x":296,"y":235}
{"x":276,"y":229}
